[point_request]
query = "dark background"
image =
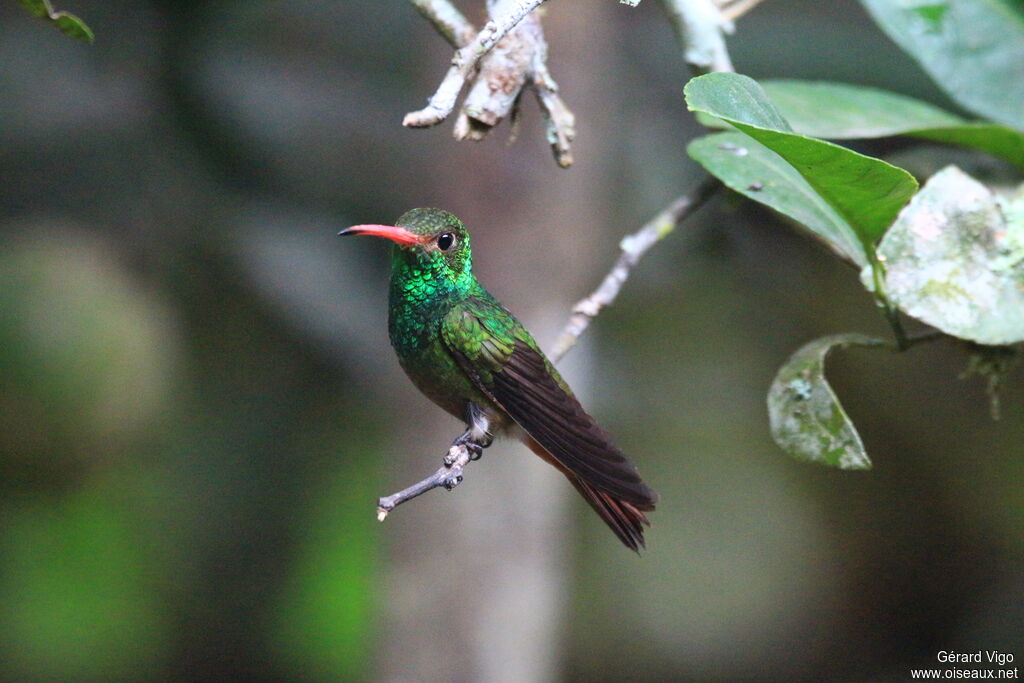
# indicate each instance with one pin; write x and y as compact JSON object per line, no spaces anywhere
{"x":199,"y":407}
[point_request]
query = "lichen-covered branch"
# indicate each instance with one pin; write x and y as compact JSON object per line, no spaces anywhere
{"x":509,"y":54}
{"x":560,"y":121}
{"x":495,"y":66}
{"x":700,"y":28}
{"x":501,"y":76}
{"x":465,"y":60}
{"x":633,"y":247}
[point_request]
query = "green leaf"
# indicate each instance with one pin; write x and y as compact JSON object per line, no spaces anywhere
{"x":955,"y":259}
{"x":807,"y":420}
{"x":753,"y":170}
{"x":992,"y":138}
{"x":73,"y":27}
{"x":838,"y":111}
{"x":972,"y":49}
{"x":866,"y":192}
{"x":843,"y":112}
{"x":66,"y":23}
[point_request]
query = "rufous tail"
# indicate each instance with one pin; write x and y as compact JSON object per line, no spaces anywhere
{"x":625,"y":519}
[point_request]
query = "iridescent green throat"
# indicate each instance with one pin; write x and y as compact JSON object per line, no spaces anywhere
{"x":426,"y":282}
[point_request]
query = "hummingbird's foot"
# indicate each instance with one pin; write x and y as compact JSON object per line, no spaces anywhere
{"x":467,"y":441}
{"x":457,"y":453}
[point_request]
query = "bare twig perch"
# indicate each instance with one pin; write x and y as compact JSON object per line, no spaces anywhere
{"x":633,"y":248}
{"x":448,"y":476}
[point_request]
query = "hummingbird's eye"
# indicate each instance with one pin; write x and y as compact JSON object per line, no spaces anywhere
{"x":445,"y":241}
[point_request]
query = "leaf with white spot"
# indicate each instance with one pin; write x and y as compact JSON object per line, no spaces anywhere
{"x":954,"y":259}
{"x":807,"y":420}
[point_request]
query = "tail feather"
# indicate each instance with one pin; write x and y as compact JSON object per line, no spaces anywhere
{"x":623,"y":518}
{"x":626,"y":520}
{"x":509,"y":369}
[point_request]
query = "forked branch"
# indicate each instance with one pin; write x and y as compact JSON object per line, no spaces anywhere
{"x":495,"y":66}
{"x":465,"y":61}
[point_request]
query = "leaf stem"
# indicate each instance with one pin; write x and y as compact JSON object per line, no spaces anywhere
{"x":891,"y":314}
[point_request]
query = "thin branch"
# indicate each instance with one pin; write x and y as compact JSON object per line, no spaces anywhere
{"x":700,"y":28}
{"x":449,"y":476}
{"x":560,"y":122}
{"x":463,"y":63}
{"x":892,"y":314}
{"x":448,"y":21}
{"x":633,"y":248}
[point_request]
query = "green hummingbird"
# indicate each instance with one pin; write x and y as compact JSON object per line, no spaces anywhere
{"x":469,"y":355}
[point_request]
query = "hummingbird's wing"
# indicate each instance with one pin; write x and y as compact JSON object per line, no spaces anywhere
{"x":503,"y":360}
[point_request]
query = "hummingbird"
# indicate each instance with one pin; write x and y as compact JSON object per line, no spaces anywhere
{"x":468,"y":354}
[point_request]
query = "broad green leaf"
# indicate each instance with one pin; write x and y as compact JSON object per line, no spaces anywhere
{"x":66,"y":23}
{"x":1000,"y":141}
{"x":843,"y":112}
{"x":72,"y":26}
{"x":807,"y":420}
{"x":955,"y":261}
{"x":838,"y":111}
{"x":753,"y":170}
{"x":868,"y":193}
{"x":972,"y":49}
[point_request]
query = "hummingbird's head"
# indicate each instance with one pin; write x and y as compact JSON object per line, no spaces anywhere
{"x":431,"y":239}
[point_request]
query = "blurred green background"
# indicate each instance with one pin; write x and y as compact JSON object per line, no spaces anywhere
{"x":199,"y":407}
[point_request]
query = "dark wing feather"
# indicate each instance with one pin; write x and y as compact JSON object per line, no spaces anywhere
{"x":530,"y":392}
{"x":501,"y":359}
{"x":623,"y":518}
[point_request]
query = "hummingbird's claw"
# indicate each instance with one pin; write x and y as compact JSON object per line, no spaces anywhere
{"x":475,"y":449}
